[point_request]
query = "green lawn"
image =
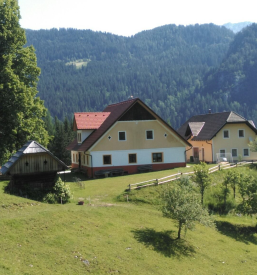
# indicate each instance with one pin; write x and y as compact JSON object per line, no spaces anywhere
{"x":110,"y":236}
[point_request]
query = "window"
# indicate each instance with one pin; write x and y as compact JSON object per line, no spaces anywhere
{"x":76,"y":157}
{"x":107,"y":159}
{"x":234,"y":152}
{"x":122,"y":135}
{"x":225,"y":134}
{"x":73,"y":157}
{"x":157,"y":157}
{"x":84,"y":159}
{"x":222,"y":153}
{"x":79,"y":137}
{"x":246,"y":152}
{"x":149,"y":134}
{"x":132,"y":158}
{"x":241,"y":133}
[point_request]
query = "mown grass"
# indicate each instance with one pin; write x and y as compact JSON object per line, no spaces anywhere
{"x":109,"y":236}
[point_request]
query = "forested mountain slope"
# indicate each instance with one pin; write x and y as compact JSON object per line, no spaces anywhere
{"x":84,"y":70}
{"x":235,"y":80}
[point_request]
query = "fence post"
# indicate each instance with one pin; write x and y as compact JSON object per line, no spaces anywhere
{"x":157,"y":182}
{"x":219,"y":167}
{"x":129,"y":187}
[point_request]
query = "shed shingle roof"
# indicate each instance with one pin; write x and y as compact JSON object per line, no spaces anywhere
{"x":212,"y":125}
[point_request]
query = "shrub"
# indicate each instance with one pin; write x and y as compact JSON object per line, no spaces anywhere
{"x":61,"y":193}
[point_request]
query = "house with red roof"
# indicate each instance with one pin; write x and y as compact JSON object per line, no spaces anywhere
{"x":126,"y":135}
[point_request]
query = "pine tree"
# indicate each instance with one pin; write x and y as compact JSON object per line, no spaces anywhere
{"x":21,"y":111}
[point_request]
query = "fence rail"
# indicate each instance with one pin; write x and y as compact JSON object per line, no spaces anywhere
{"x":177,"y":176}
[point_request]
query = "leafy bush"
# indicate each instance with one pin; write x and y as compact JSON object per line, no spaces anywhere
{"x":61,"y":193}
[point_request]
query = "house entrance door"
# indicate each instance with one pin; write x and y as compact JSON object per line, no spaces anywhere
{"x":196,"y":154}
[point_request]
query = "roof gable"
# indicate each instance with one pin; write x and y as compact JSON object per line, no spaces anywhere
{"x":196,"y":127}
{"x":137,"y":112}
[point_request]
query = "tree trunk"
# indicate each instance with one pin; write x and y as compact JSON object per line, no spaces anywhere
{"x":202,"y":191}
{"x":179,"y":229}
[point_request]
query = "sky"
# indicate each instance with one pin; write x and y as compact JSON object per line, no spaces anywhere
{"x":128,"y":17}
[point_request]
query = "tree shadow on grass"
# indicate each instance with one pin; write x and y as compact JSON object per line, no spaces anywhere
{"x":163,"y":243}
{"x":238,"y":232}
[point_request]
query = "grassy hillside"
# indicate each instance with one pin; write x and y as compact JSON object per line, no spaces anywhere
{"x":107,"y":236}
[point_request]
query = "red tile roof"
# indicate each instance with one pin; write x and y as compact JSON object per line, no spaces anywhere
{"x":90,"y":121}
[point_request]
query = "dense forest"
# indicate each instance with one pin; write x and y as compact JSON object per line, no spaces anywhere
{"x":176,"y":70}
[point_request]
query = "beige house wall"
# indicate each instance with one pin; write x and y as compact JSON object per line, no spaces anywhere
{"x":136,"y":137}
{"x":205,"y":150}
{"x":234,"y":141}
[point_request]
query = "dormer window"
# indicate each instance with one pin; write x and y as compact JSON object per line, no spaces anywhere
{"x":79,"y":137}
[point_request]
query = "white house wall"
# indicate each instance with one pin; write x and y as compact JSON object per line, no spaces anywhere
{"x":144,"y":156}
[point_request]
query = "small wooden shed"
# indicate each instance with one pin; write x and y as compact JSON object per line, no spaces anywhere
{"x":33,"y":164}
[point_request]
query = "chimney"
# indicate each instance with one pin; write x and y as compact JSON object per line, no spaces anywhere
{"x":209,"y":111}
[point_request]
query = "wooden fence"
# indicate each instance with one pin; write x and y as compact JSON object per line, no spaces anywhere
{"x":177,"y":176}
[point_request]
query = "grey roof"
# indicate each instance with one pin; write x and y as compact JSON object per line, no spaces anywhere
{"x":31,"y":147}
{"x":212,"y":125}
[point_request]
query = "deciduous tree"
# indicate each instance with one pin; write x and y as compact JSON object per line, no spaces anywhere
{"x":21,"y":111}
{"x":202,"y":177}
{"x":182,"y":204}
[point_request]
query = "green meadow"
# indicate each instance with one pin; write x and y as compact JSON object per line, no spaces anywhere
{"x":110,"y":235}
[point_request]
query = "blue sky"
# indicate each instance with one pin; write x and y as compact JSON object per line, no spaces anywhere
{"x":127,"y":18}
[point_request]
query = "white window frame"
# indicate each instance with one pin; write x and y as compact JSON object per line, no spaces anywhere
{"x":236,"y":152}
{"x":243,"y":133}
{"x":79,"y":134}
{"x":119,"y":136}
{"x":146,"y":134}
{"x":244,"y":152}
{"x":225,"y":130}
